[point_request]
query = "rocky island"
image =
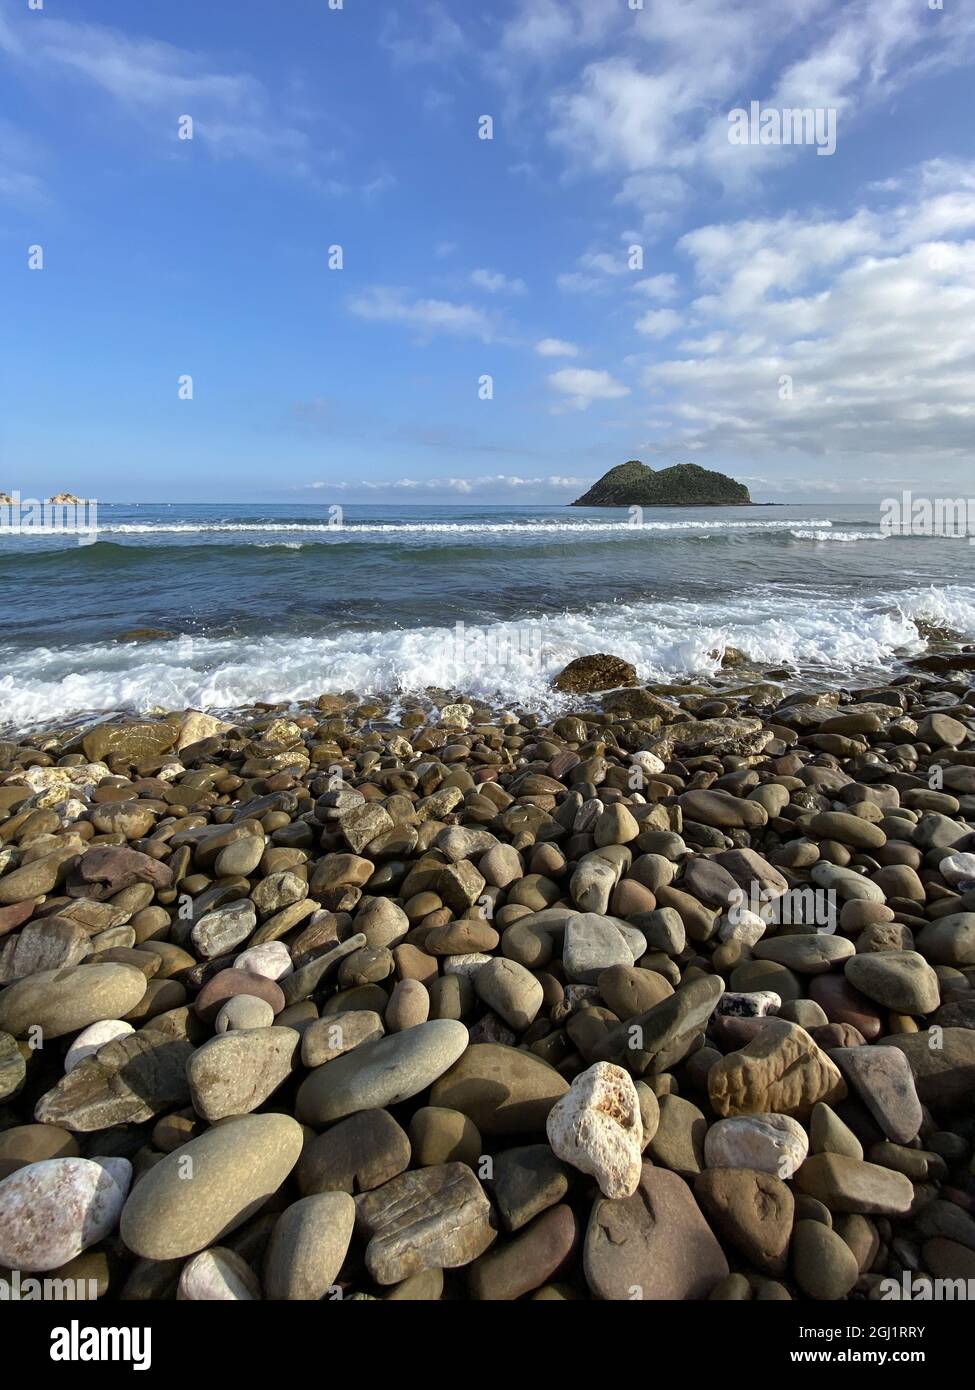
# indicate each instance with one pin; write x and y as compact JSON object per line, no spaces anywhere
{"x":635,"y":484}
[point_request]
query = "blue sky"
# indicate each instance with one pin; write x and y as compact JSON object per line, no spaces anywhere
{"x":850,"y":277}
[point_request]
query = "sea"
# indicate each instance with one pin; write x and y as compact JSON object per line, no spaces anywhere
{"x":216,"y":606}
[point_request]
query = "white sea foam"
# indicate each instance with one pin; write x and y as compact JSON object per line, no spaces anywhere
{"x":817,"y":632}
{"x":437,"y":528}
{"x":806,"y":535}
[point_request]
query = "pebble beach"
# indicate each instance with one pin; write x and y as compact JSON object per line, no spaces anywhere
{"x":487,"y":700}
{"x":665,"y":997}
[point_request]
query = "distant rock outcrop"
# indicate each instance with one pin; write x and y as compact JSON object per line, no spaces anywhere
{"x":65,"y":497}
{"x":634,"y":484}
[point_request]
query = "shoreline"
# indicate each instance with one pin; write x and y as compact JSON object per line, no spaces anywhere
{"x":692,"y":953}
{"x":737,"y":677}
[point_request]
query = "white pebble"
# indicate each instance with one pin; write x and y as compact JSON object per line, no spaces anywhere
{"x":648,"y":761}
{"x":272,"y":960}
{"x":53,"y":1210}
{"x":596,"y":1126}
{"x":957,"y":868}
{"x":217,"y":1275}
{"x":757,"y":1003}
{"x":742,"y":925}
{"x":467,"y":965}
{"x":770,"y":1143}
{"x":89,"y":1040}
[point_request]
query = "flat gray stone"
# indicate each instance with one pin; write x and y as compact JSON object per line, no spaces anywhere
{"x":220,"y":932}
{"x":592,"y":944}
{"x":381,"y":1073}
{"x":883,"y":1079}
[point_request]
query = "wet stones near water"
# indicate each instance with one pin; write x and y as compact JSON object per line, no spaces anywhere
{"x":598,"y":672}
{"x":623,"y":1000}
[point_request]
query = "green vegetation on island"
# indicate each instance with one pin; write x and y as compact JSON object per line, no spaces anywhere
{"x":635,"y":484}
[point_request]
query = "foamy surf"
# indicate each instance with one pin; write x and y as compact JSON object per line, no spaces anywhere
{"x":824,"y":636}
{"x":452,"y":528}
{"x":824,"y":535}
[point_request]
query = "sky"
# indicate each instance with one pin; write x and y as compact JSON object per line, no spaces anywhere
{"x":339,"y":288}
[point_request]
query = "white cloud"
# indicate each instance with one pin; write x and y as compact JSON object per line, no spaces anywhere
{"x":582,"y":386}
{"x":574,"y":282}
{"x":604,"y":263}
{"x":649,"y":105}
{"x":157,"y":82}
{"x":600,"y":271}
{"x":429,"y":36}
{"x":509,"y":481}
{"x":711,"y":342}
{"x":542,"y":30}
{"x":429,"y":316}
{"x":658,"y":286}
{"x":495,"y":283}
{"x":658,"y":323}
{"x":556,"y":347}
{"x":835,"y":340}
